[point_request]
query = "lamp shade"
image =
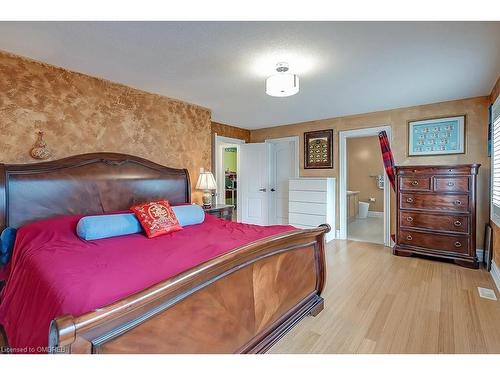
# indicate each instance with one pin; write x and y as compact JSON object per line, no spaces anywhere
{"x":206,"y":181}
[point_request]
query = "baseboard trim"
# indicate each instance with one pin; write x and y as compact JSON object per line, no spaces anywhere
{"x":495,"y":274}
{"x":375,"y":214}
{"x":479,"y":254}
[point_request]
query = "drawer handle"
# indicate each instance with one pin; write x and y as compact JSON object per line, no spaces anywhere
{"x":409,"y":200}
{"x":457,"y":223}
{"x":458,"y":244}
{"x":457,"y":203}
{"x":414,"y":183}
{"x":409,"y":237}
{"x":450,"y":183}
{"x":409,"y":218}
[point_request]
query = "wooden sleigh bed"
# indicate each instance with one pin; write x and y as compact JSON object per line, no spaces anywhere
{"x":240,"y":302}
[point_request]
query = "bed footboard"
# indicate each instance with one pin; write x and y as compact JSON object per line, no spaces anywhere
{"x":241,"y":302}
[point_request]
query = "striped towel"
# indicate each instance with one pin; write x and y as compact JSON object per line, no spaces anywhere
{"x":387,"y":157}
{"x":388,"y":160}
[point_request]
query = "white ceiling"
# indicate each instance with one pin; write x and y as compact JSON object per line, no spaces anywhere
{"x":344,"y":67}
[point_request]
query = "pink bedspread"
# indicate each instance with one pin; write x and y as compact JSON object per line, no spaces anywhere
{"x":53,"y":272}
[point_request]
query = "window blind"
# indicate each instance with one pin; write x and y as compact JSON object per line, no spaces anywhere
{"x":495,"y":162}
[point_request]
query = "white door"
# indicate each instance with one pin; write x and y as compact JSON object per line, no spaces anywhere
{"x":253,"y":181}
{"x":283,"y":167}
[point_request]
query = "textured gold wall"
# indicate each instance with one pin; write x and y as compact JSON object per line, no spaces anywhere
{"x":230,"y":131}
{"x":81,"y":114}
{"x":496,"y":243}
{"x":475,"y":109}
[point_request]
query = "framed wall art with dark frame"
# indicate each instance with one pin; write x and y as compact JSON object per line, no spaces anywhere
{"x":437,"y":136}
{"x":318,"y":149}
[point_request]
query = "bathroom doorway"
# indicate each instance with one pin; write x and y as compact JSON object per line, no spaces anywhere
{"x":364,"y":187}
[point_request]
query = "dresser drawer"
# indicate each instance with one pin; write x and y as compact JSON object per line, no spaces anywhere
{"x":305,"y":184}
{"x":439,"y":242}
{"x":415,"y":183}
{"x":450,"y":223}
{"x":431,"y":202}
{"x":451,"y":184}
{"x":435,"y":170}
{"x":307,"y":208}
{"x":307,"y":196}
{"x":304,"y":219}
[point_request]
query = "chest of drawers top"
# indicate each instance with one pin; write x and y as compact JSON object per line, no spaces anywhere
{"x":435,"y":179}
{"x":455,"y":170}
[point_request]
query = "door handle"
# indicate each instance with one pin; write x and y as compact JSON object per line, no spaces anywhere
{"x":263,"y":190}
{"x":273,"y":190}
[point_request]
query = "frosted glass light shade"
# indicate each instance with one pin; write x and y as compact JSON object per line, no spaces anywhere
{"x":282,"y":84}
{"x":206,"y":181}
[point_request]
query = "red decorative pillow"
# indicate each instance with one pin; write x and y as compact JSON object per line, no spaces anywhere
{"x":156,"y":218}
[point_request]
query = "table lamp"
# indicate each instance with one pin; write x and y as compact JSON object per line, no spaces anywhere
{"x":206,"y":182}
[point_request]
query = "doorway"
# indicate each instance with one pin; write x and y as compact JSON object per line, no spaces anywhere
{"x":231,"y":178}
{"x":258,"y":185}
{"x":364,"y":189}
{"x":227,"y":165}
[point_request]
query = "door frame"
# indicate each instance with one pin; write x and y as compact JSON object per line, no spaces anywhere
{"x":219,"y":142}
{"x":357,"y":133}
{"x":296,"y":167}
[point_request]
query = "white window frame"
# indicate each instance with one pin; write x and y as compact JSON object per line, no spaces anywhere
{"x":495,"y":129}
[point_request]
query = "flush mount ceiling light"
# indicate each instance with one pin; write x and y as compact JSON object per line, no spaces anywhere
{"x":282,"y":83}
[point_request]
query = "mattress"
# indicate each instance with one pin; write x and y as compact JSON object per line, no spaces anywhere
{"x":53,"y":272}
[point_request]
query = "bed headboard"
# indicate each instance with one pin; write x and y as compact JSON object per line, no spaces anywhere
{"x":85,"y":184}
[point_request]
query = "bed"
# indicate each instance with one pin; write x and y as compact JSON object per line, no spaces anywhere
{"x":240,"y":297}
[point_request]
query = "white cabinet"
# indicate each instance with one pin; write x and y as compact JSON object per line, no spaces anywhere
{"x":311,"y":203}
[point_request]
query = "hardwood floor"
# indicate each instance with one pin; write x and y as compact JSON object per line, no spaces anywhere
{"x":376,"y":302}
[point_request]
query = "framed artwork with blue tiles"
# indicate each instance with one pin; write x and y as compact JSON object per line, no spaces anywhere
{"x":440,"y":136}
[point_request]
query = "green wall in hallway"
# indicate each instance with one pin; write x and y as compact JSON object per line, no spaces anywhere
{"x":230,"y":159}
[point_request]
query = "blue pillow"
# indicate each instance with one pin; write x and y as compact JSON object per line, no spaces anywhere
{"x":189,"y":214}
{"x":7,"y":240}
{"x":105,"y":226}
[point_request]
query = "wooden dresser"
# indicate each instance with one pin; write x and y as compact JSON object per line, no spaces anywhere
{"x":436,"y":212}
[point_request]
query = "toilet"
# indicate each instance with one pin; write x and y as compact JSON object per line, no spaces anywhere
{"x":363,"y":210}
